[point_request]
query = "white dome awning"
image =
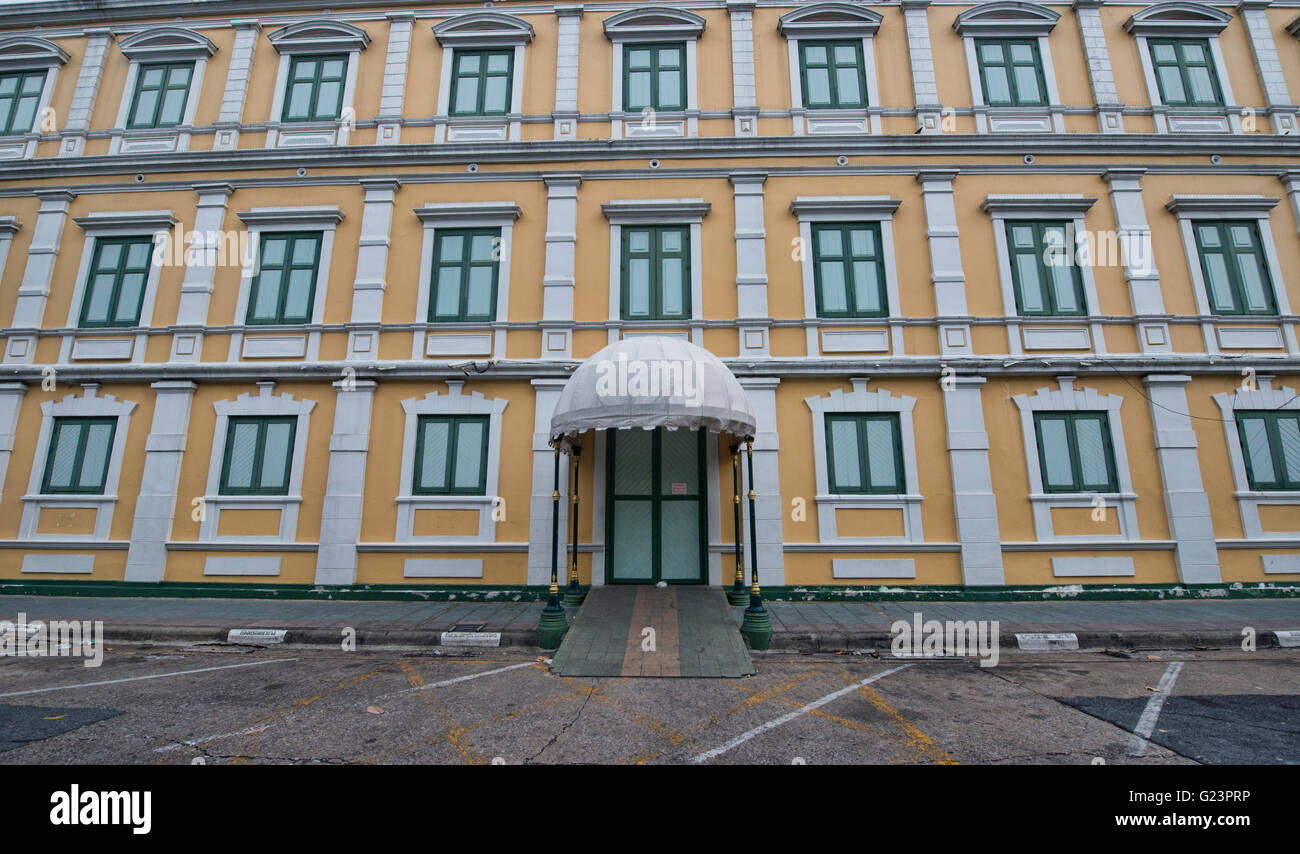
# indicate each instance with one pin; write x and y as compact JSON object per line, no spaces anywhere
{"x":652,"y":381}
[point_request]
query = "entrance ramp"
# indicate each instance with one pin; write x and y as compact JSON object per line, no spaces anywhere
{"x":692,"y":633}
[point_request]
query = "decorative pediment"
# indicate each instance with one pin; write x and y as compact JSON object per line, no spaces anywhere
{"x":486,"y":29}
{"x":830,"y":20}
{"x":1006,"y":19}
{"x":167,"y":44}
{"x":1178,"y":19}
{"x":319,"y":36}
{"x":30,"y":52}
{"x":646,"y":24}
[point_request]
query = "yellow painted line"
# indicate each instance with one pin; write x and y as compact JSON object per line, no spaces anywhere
{"x":456,"y":734}
{"x":917,"y":740}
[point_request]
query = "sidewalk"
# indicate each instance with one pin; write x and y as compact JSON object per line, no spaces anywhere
{"x":825,"y":626}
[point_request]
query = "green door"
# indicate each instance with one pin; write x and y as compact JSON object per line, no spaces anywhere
{"x":654,"y":507}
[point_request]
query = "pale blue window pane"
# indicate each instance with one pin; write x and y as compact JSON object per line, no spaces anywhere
{"x":846,"y":55}
{"x":479,"y":301}
{"x":819,"y":86}
{"x":497,"y":96}
{"x":634,"y":534}
{"x":1258,"y":454}
{"x":862,"y":242}
{"x":466,"y":95}
{"x":25,"y":115}
{"x":296,"y":302}
{"x":638,"y":286}
{"x":815,"y":54}
{"x":144,"y":107}
{"x":847,"y":81}
{"x":991,"y":53}
{"x":65,"y":454}
{"x":268,"y":295}
{"x":1172,"y":84}
{"x":670,"y":90}
{"x":639,"y":59}
{"x":433,"y":468}
{"x":1056,"y":452}
{"x":1242,"y":238}
{"x":632,"y":450}
{"x":304,"y":252}
{"x":1202,"y":85}
{"x":1027,"y":84}
{"x":137,"y":255}
{"x":333,"y":69}
{"x":834,"y":297}
{"x":1092,"y":452}
{"x":1289,"y":431}
{"x":242,"y":449}
{"x":638,"y":89}
{"x":110,"y":255}
{"x":997,"y":88}
{"x":300,"y":100}
{"x":468,"y":63}
{"x":679,"y":461}
{"x":1209,"y":235}
{"x":679,"y":549}
{"x":1193,"y":53}
{"x":1252,"y":279}
{"x":94,"y":462}
{"x":273,"y":252}
{"x":670,"y":57}
{"x":1022,"y":237}
{"x":1022,"y":53}
{"x":1067,"y":297}
{"x":671,"y":285}
{"x":275,"y":454}
{"x":670,"y":241}
{"x":128,"y":301}
{"x":327,"y":101}
{"x":866,"y":286}
{"x":453,"y":245}
{"x":8,"y":86}
{"x":498,"y":63}
{"x":179,"y":76}
{"x":152,"y":77}
{"x":101,"y":291}
{"x":1164,"y":53}
{"x":880,"y":455}
{"x":1220,"y":287}
{"x":846,"y":465}
{"x":1031,"y":290}
{"x":829,"y":243}
{"x":639,"y":241}
{"x":469,"y":454}
{"x":173,"y":107}
{"x":447,"y":301}
{"x":481,"y":247}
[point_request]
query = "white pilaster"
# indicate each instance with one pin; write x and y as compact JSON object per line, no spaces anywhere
{"x":946,"y":275}
{"x":11,"y":401}
{"x":83,"y":95}
{"x":972,"y":482}
{"x":155,"y":507}
{"x":566,"y":72}
{"x":340,"y":524}
{"x":29,"y":310}
{"x":1291,"y":180}
{"x":744,"y":90}
{"x":1139,"y":258}
{"x":751,"y":264}
{"x":1110,"y":115}
{"x":389,"y":130}
{"x":196,"y":289}
{"x":925,"y":87}
{"x":546,"y":394}
{"x":768,"y":507}
{"x":1281,"y":112}
{"x":371,"y":282}
{"x":558,"y":277}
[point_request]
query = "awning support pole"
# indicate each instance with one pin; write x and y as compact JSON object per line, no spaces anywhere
{"x":574,"y":594}
{"x":757,"y":627}
{"x":553,"y":623}
{"x":737,"y":595}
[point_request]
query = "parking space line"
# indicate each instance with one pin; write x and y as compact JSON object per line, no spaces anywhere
{"x":456,"y":733}
{"x":1138,"y":743}
{"x":141,"y":678}
{"x":784,"y":719}
{"x":444,"y":683}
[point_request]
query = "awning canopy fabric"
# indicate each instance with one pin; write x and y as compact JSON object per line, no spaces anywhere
{"x":652,"y":381}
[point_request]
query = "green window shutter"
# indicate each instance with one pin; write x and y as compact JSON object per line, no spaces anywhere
{"x":1270,"y":445}
{"x":654,"y":77}
{"x":656,"y":273}
{"x":1075,"y":452}
{"x":849,"y":270}
{"x":466,"y":269}
{"x":481,"y":82}
{"x":284,"y":290}
{"x":20,"y":95}
{"x":161,"y":91}
{"x":1233,"y":265}
{"x":258,"y":455}
{"x":864,"y":454}
{"x":119,"y":273}
{"x":1185,"y":72}
{"x":78,"y":457}
{"x":832,"y":74}
{"x":1011,"y":72}
{"x":314,"y":91}
{"x":1044,"y":283}
{"x":451,"y":455}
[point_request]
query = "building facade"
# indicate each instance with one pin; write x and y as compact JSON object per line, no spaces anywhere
{"x":291,"y":292}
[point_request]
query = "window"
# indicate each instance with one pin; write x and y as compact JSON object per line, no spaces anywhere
{"x":864,"y":454}
{"x":656,"y":273}
{"x":465,"y":275}
{"x":481,"y":83}
{"x":161,"y":91}
{"x":1236,"y":273}
{"x":1074,"y":450}
{"x":1046,"y":280}
{"x":258,"y":456}
{"x":849,"y":269}
{"x":451,"y":455}
{"x":20,"y":94}
{"x":1270,"y":443}
{"x":1011,"y":72}
{"x":654,"y":77}
{"x":115,"y":286}
{"x":315,"y":88}
{"x":833,"y":74}
{"x":79,"y":454}
{"x":1185,"y":73}
{"x":284,"y":290}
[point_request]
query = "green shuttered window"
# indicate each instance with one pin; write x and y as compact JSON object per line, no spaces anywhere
{"x":864,"y":454}
{"x":285,"y":288}
{"x":119,"y":271}
{"x":20,"y":95}
{"x":1270,"y":443}
{"x":79,"y":455}
{"x":849,"y":270}
{"x":1185,"y":72}
{"x":656,"y":273}
{"x":481,"y":82}
{"x":315,"y":88}
{"x":1011,"y":72}
{"x":1236,"y":274}
{"x":259,"y":455}
{"x":833,"y":74}
{"x":654,"y":77}
{"x":1074,"y":451}
{"x":1045,"y":283}
{"x":466,"y":267}
{"x":161,"y":91}
{"x":451,"y":455}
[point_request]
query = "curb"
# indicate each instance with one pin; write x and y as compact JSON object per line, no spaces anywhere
{"x":309,"y":636}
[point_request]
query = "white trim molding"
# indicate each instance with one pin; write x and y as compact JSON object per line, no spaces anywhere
{"x":1124,"y":502}
{"x":264,"y":403}
{"x":654,"y":25}
{"x":1034,"y":332}
{"x":450,"y":340}
{"x":160,"y":44}
{"x":1185,"y":20}
{"x":88,"y":405}
{"x":454,"y":402}
{"x":314,"y":37}
{"x":1017,"y":20}
{"x":1262,"y":397}
{"x":475,"y":30}
{"x":23,"y":53}
{"x":908,"y":502}
{"x":833,"y":21}
{"x":689,"y":212}
{"x":1236,"y":332}
{"x":887,"y":334}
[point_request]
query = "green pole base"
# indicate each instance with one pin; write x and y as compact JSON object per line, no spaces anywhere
{"x":757,"y":628}
{"x":574,"y":596}
{"x":551,"y":628}
{"x":738,"y":596}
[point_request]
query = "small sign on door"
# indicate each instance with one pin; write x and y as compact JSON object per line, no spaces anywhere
{"x":679,"y":489}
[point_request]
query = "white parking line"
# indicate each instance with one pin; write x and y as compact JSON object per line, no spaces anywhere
{"x":1137,"y":744}
{"x":140,"y":678}
{"x":447,"y":682}
{"x":177,"y":745}
{"x":784,"y":719}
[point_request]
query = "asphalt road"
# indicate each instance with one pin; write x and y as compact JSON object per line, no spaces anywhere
{"x":218,"y":705}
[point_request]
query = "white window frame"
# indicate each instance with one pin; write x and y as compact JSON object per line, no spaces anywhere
{"x":1123,"y":503}
{"x":263,"y":404}
{"x":1011,"y":20}
{"x":1262,"y":397}
{"x":1050,"y":331}
{"x":1189,"y":21}
{"x":160,"y":44}
{"x":839,"y":21}
{"x":479,"y":31}
{"x":302,"y":39}
{"x":849,"y":209}
{"x":859,"y":400}
{"x":24,"y":53}
{"x":88,"y":405}
{"x":454,"y":402}
{"x":1258,"y":330}
{"x":651,"y":25}
{"x":650,"y":212}
{"x":283,"y":342}
{"x":445,"y":215}
{"x":114,"y":342}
